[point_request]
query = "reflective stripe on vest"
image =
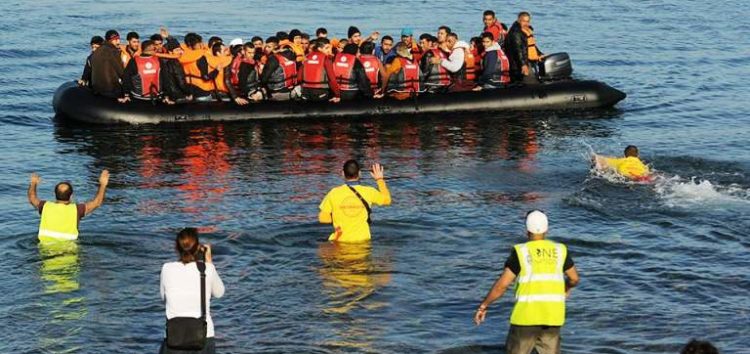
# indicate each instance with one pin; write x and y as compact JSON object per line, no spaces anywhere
{"x":343,"y":70}
{"x":314,"y":74}
{"x":148,"y":71}
{"x":407,"y":78}
{"x":438,"y":75}
{"x":285,"y":76}
{"x":58,"y":222}
{"x":501,"y":73}
{"x":372,"y":69}
{"x":540,"y":287}
{"x":533,"y":53}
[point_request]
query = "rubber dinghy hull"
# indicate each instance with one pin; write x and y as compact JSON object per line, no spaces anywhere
{"x":77,"y":103}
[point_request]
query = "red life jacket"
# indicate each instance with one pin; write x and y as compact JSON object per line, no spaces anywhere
{"x":285,"y":77}
{"x":148,"y":70}
{"x":501,"y":73}
{"x":372,"y":69}
{"x":407,"y":78}
{"x":314,"y":74}
{"x":235,"y":69}
{"x":343,"y":69}
{"x":438,"y":75}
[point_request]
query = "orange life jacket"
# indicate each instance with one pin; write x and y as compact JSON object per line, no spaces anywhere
{"x":189,"y":60}
{"x":372,"y":69}
{"x":343,"y":70}
{"x":533,"y":52}
{"x":214,"y":63}
{"x":470,"y":63}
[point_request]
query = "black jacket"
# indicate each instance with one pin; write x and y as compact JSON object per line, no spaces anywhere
{"x":516,"y":49}
{"x":363,"y":83}
{"x":272,"y":64}
{"x":86,"y":76}
{"x":106,"y":70}
{"x":174,"y":84}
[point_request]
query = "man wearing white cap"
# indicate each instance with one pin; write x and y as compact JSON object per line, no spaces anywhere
{"x":541,"y":267}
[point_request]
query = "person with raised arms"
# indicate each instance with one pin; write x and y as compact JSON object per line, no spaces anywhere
{"x":348,"y":206}
{"x":60,"y":218}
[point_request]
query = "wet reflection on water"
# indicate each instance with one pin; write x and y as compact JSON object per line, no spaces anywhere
{"x":64,"y":306}
{"x":351,"y":278}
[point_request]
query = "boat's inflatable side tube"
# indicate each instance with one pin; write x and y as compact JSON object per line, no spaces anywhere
{"x":80,"y":104}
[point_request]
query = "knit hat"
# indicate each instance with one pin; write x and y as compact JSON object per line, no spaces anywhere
{"x":352,"y":31}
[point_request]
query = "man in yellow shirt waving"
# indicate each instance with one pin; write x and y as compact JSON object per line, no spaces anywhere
{"x":348,"y":207}
{"x":629,"y":166}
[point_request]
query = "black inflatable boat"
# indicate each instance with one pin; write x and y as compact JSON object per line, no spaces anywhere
{"x":78,"y":103}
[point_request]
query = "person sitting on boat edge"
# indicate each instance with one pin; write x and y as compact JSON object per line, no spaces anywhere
{"x":317,"y":79}
{"x":175,"y":86}
{"x":107,"y":68}
{"x":143,"y":77}
{"x":630,"y":166}
{"x":60,"y":218}
{"x":348,"y":206}
{"x":495,"y":65}
{"x":279,"y":75}
{"x":436,"y":78}
{"x":216,"y":60}
{"x":194,"y":50}
{"x":350,"y":74}
{"x":95,"y":43}
{"x":373,"y":67}
{"x":241,"y":75}
{"x":402,"y":76}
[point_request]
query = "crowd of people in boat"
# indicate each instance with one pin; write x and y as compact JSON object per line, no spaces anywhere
{"x":293,"y":65}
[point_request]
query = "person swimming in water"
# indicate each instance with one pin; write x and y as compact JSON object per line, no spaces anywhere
{"x":630,"y":166}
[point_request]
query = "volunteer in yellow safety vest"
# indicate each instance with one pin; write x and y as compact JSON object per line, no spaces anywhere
{"x":348,"y":207}
{"x":540,"y":267}
{"x":59,"y":219}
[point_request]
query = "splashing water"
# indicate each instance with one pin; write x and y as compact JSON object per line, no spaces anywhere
{"x":677,"y":192}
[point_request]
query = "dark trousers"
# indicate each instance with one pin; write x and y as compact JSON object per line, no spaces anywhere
{"x":524,"y":339}
{"x":210,"y":348}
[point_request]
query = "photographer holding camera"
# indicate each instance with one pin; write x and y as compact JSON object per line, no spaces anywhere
{"x":187,"y":286}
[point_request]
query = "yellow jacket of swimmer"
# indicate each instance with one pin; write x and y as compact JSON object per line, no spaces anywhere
{"x":630,"y":167}
{"x":347,"y":212}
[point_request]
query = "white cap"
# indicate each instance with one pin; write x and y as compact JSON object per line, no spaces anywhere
{"x":236,"y":41}
{"x":536,"y":222}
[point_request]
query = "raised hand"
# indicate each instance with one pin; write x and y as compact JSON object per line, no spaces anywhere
{"x":104,"y":178}
{"x":377,"y":171}
{"x":35,"y":179}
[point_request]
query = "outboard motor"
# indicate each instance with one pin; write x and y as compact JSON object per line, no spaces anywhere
{"x":555,"y":66}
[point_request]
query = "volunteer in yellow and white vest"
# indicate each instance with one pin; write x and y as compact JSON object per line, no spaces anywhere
{"x":59,"y":218}
{"x":545,"y":273}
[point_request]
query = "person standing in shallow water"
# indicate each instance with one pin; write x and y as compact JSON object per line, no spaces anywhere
{"x":348,"y":207}
{"x":540,"y":267}
{"x":59,"y":219}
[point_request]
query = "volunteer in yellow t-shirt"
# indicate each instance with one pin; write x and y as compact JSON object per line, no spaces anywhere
{"x":348,"y":207}
{"x":629,"y":166}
